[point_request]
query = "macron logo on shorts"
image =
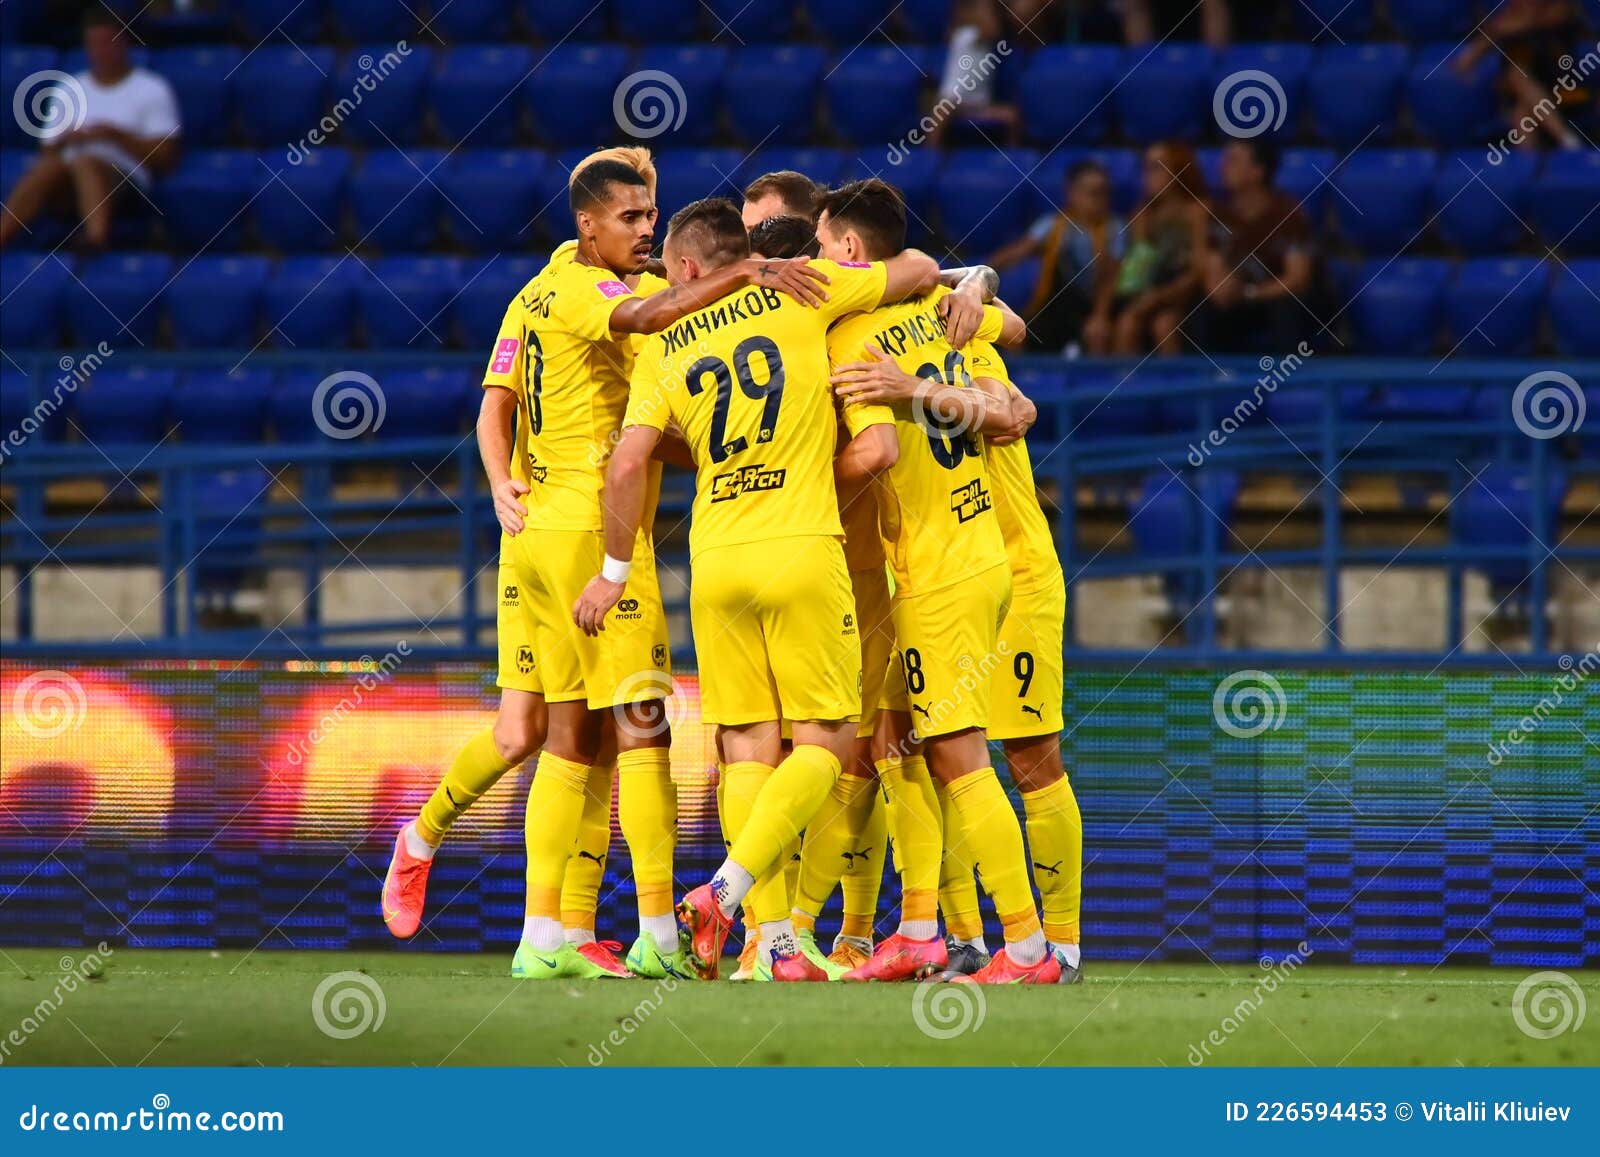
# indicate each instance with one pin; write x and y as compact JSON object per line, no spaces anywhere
{"x":612,"y":289}
{"x":505,"y":355}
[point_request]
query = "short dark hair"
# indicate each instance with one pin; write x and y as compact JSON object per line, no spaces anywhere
{"x":99,"y":16}
{"x":713,"y":228}
{"x":874,"y":209}
{"x":798,"y":192}
{"x":1079,"y":169}
{"x":591,"y":183}
{"x":1264,"y":154}
{"x":784,"y":236}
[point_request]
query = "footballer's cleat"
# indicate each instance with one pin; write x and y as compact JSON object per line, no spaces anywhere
{"x":798,"y":967}
{"x":848,"y":955}
{"x":405,"y":890}
{"x":901,"y":958}
{"x":1070,"y":973}
{"x":708,"y":931}
{"x":762,"y":972}
{"x":645,"y":959}
{"x":568,"y":962}
{"x":807,"y":939}
{"x":603,"y":954}
{"x":747,"y":959}
{"x":1002,"y":970}
{"x":965,"y":959}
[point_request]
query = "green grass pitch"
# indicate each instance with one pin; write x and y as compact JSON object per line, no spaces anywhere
{"x":248,"y":1008}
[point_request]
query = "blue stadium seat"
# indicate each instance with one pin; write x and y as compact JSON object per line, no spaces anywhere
{"x":1287,"y":64}
{"x":212,"y":406}
{"x":1383,"y":197}
{"x":310,"y":302}
{"x":1045,"y":383}
{"x":300,"y":23}
{"x":464,"y":21}
{"x":787,"y":76}
{"x":1017,"y":282}
{"x":1065,"y":92}
{"x":686,"y":175}
{"x":282,"y":93}
{"x":491,"y":196}
{"x":116,"y":299}
{"x":1355,"y":92}
{"x":369,"y":20}
{"x":405,"y":302}
{"x":1399,"y":305}
{"x":555,"y":21}
{"x":203,"y":204}
{"x":1305,"y":175}
{"x":1483,"y":207}
{"x":1448,"y":108}
{"x":216,"y":301}
{"x":1563,"y":201}
{"x":874,"y":95}
{"x":423,"y":403}
{"x":290,"y":408}
{"x":848,"y":22}
{"x":1574,"y":300}
{"x":34,"y":288}
{"x":653,"y":21}
{"x":822,"y":165}
{"x":477,"y":93}
{"x":491,"y":283}
{"x":747,"y":21}
{"x":570,"y":94}
{"x":1100,"y":410}
{"x":391,"y":113}
{"x":1493,"y":306}
{"x":1498,"y":510}
{"x":552,"y":218}
{"x":125,"y":405}
{"x":1167,"y":517}
{"x":984,"y":198}
{"x":394,"y":198}
{"x":202,"y":80}
{"x":302,"y":206}
{"x":1166,"y":93}
{"x":1423,"y":20}
{"x":1334,"y":21}
{"x":697,"y":70}
{"x":925,"y":20}
{"x":17,"y":63}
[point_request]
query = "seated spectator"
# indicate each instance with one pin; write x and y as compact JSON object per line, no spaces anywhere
{"x":1533,"y":36}
{"x":967,"y":86}
{"x":1159,"y":280}
{"x":123,"y":129}
{"x":1079,"y":250}
{"x":1258,"y":273}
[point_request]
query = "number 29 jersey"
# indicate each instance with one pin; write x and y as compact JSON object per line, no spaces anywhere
{"x":746,"y":381}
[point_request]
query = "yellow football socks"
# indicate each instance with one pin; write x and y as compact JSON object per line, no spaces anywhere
{"x":1055,"y":840}
{"x":958,"y":889}
{"x":580,"y":887}
{"x":555,"y":810}
{"x":790,"y":797}
{"x":478,"y":766}
{"x":647,"y":809}
{"x":919,"y":841}
{"x":994,"y":841}
{"x":863,"y":877}
{"x":835,"y":839}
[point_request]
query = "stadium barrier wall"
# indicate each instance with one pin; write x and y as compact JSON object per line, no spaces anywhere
{"x":1391,"y":817}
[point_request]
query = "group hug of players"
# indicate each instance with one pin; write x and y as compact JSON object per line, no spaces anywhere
{"x":874,"y":594}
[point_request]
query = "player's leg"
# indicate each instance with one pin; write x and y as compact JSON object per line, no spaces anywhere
{"x":958,"y":895}
{"x":1055,"y":842}
{"x":586,"y":866}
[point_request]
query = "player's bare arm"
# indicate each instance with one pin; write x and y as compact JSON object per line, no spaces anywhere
{"x":1022,"y":409}
{"x":655,"y":313}
{"x":626,"y":482}
{"x":496,"y":413}
{"x":878,"y":379}
{"x":907,"y":274}
{"x":867,"y":455}
{"x":971,"y":288}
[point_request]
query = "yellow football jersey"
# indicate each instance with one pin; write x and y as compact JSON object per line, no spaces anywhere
{"x":935,"y":502}
{"x":1026,"y":531}
{"x":555,"y":350}
{"x":746,"y":381}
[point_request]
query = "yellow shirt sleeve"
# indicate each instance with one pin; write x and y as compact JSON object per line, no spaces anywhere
{"x":852,"y":286}
{"x":983,"y":361}
{"x":507,"y":360}
{"x":648,"y":403}
{"x":586,"y":299}
{"x":858,"y":416}
{"x":993,"y":322}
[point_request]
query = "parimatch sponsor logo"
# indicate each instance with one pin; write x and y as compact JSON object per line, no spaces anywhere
{"x":745,"y":480}
{"x":970,"y":500}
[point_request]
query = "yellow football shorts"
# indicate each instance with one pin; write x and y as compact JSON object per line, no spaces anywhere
{"x":1028,"y":687}
{"x":775,"y":632}
{"x":629,"y":661}
{"x":513,"y":628}
{"x":947,"y":653}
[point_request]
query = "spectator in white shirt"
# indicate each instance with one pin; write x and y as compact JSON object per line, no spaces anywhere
{"x":120,"y":127}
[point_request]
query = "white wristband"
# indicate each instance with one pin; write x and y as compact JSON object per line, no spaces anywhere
{"x":615,"y":570}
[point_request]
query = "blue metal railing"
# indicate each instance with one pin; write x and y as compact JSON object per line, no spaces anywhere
{"x":1350,"y":417}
